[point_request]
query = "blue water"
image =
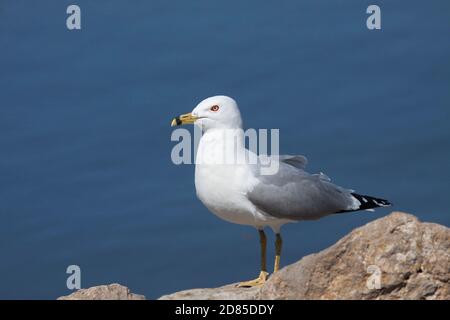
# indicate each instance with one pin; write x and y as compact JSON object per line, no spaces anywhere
{"x":85,"y":170}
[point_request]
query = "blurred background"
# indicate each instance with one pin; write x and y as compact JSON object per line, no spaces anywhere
{"x":85,"y":171}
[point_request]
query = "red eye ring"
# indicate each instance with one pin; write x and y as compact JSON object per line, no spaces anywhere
{"x":215,"y":108}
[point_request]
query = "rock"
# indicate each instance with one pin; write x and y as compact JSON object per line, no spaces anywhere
{"x":228,"y":292}
{"x":395,"y":257}
{"x":106,"y":292}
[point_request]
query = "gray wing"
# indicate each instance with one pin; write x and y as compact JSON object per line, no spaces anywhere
{"x":295,"y":194}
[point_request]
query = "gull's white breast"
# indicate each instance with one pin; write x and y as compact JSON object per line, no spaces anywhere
{"x":221,"y":187}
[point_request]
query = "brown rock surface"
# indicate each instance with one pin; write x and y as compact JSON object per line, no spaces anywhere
{"x":106,"y":292}
{"x":395,"y":257}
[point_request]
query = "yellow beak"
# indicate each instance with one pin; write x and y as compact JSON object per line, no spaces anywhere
{"x":183,"y":119}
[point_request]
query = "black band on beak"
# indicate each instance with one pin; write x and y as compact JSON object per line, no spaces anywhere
{"x":178,"y":121}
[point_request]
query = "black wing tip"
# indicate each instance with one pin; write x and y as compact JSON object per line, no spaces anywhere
{"x":368,"y":202}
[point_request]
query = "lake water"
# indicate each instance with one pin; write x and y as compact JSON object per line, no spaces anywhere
{"x":85,"y":171}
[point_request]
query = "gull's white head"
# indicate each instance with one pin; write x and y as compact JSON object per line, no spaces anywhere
{"x":213,"y":112}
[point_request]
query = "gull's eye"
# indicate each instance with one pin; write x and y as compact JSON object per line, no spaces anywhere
{"x":214,"y":108}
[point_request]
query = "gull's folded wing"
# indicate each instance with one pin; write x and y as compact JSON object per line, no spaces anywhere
{"x":295,"y":194}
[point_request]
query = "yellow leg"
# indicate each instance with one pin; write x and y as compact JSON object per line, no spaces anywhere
{"x":278,"y":245}
{"x":263,"y":274}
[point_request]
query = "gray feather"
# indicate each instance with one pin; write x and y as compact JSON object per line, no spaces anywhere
{"x":297,"y":161}
{"x":295,"y":194}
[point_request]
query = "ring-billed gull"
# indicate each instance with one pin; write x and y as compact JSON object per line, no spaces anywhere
{"x":239,"y":193}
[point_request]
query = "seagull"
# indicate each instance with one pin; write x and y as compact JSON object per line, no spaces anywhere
{"x":239,"y":192}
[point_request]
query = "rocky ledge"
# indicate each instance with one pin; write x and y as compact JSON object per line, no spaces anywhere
{"x":395,"y":257}
{"x":113,"y":291}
